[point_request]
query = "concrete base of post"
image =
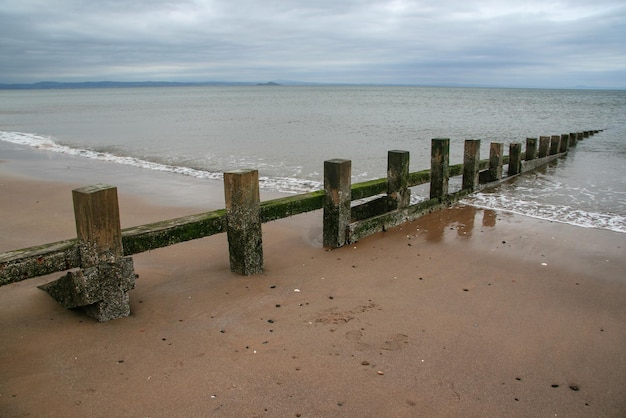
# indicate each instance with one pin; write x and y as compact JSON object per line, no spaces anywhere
{"x":101,"y":290}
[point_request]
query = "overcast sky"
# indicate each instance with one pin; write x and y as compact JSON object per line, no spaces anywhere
{"x":534,"y":43}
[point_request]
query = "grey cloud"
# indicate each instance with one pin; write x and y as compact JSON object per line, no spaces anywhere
{"x":531,"y":43}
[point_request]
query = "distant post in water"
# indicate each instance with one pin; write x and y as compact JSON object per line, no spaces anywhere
{"x":337,"y":185}
{"x":555,"y":144}
{"x":471,"y":162}
{"x":531,"y":149}
{"x":496,"y":159}
{"x":398,"y":177}
{"x":544,"y":146}
{"x":564,"y":143}
{"x":515,"y":158}
{"x":243,"y":214}
{"x":573,"y":138}
{"x":105,"y":276}
{"x":439,"y":167}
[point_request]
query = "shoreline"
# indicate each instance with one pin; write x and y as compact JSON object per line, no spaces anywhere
{"x":464,"y":312}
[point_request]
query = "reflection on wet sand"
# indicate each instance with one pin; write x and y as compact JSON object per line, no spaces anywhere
{"x":460,"y":219}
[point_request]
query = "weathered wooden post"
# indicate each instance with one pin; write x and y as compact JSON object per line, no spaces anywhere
{"x":531,"y":149}
{"x":585,"y":134}
{"x":337,"y":185}
{"x":243,"y":217}
{"x":496,"y":160}
{"x":564,"y":143}
{"x":102,"y":283}
{"x":398,"y":177}
{"x":555,"y":144}
{"x":544,"y":146}
{"x":573,"y":139}
{"x":471,"y":164}
{"x":439,"y":167}
{"x":515,"y":158}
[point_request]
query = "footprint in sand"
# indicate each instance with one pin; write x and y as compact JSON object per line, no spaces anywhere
{"x":395,"y":342}
{"x":356,"y":336}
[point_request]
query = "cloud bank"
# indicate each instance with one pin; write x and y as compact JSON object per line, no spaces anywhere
{"x":552,"y":44}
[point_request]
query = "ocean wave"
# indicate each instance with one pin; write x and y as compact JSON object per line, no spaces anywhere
{"x":46,"y":143}
{"x":554,"y":213}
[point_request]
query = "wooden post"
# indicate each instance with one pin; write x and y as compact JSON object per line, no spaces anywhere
{"x":544,"y":146}
{"x":573,"y":139}
{"x":496,"y":158}
{"x":398,"y":177}
{"x":337,"y":186}
{"x":97,"y":217}
{"x":471,"y":163}
{"x":515,"y":158}
{"x":585,"y":134}
{"x":531,"y":149}
{"x":243,"y":215}
{"x":439,"y":167}
{"x":101,"y":285}
{"x":555,"y":144}
{"x":564,"y":143}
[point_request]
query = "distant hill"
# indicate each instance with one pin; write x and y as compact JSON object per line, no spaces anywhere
{"x":120,"y":84}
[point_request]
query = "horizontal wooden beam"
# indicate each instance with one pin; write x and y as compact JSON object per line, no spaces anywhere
{"x":45,"y":259}
{"x":142,"y":238}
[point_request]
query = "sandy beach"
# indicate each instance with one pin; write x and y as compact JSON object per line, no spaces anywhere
{"x":462,"y":313}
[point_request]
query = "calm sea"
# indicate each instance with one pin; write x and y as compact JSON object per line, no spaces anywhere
{"x":287,"y":132}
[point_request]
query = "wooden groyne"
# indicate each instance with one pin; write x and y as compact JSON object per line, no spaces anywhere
{"x":98,"y":261}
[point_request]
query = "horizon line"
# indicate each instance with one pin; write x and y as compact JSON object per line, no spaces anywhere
{"x":41,"y":85}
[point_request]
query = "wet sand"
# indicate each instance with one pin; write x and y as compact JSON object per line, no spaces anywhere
{"x":464,"y":312}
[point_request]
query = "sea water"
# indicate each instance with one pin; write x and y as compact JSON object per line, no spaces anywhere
{"x":287,"y":133}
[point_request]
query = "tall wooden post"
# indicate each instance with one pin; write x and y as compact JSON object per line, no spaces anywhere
{"x":544,"y":146}
{"x":243,"y":214}
{"x":439,"y":167}
{"x":101,"y":285}
{"x":564,"y":143}
{"x":531,"y":149}
{"x":398,"y":177}
{"x":515,"y":158}
{"x":573,"y":139}
{"x":97,"y":218}
{"x":471,"y":162}
{"x":555,"y":144}
{"x":337,"y":185}
{"x":496,"y":159}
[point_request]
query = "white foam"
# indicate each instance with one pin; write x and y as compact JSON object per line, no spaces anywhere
{"x":564,"y":214}
{"x":278,"y":184}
